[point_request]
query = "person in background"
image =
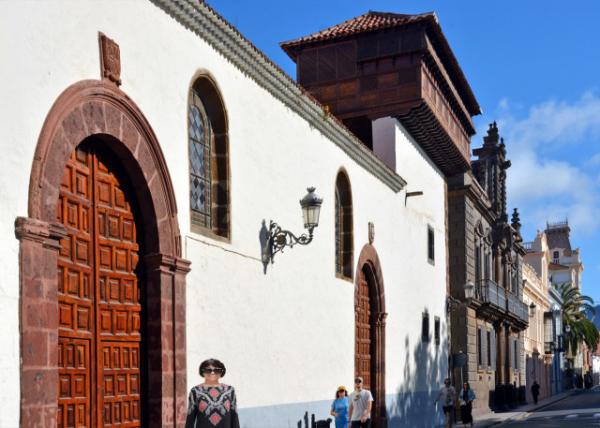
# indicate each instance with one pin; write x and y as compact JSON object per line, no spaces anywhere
{"x":339,"y":407}
{"x":535,"y":391}
{"x":466,"y":398}
{"x":447,"y":396}
{"x":361,"y":403}
{"x":212,"y":404}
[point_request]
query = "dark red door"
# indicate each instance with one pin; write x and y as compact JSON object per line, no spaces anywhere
{"x":98,"y":296}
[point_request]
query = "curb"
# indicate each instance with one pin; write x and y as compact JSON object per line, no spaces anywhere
{"x":535,"y":409}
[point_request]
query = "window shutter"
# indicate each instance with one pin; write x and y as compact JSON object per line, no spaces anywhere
{"x":518,"y":352}
{"x":484,"y":346}
{"x":493,"y":364}
{"x":488,"y":354}
{"x":482,"y":341}
{"x":479,"y":356}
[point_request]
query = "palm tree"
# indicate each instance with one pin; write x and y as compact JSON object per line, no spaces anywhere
{"x":578,"y":327}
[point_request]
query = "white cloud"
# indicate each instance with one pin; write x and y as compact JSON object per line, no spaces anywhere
{"x":544,"y":185}
{"x":553,"y":122}
{"x":594,"y":160}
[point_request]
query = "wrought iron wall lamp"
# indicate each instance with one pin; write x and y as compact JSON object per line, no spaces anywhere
{"x":279,"y":238}
{"x":453,"y":303}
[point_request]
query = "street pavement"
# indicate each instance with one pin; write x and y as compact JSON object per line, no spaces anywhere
{"x":580,"y":409}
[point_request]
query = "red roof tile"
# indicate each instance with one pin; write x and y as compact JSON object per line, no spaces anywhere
{"x":370,"y":21}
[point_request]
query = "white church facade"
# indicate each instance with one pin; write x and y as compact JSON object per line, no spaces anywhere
{"x":147,"y":146}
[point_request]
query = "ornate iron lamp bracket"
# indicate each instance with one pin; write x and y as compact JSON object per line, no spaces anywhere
{"x":279,"y":238}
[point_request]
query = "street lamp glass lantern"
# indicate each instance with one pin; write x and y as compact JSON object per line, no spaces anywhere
{"x":311,"y":208}
{"x":532,"y":308}
{"x":469,"y":290}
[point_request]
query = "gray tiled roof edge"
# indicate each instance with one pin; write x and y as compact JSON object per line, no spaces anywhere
{"x":225,"y":39}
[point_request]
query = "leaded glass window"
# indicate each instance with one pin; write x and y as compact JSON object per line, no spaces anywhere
{"x":200,"y":145}
{"x":344,"y":240}
{"x":338,"y":235}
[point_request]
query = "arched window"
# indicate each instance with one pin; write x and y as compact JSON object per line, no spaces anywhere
{"x":344,"y":240}
{"x":555,"y":257}
{"x":209,"y":164}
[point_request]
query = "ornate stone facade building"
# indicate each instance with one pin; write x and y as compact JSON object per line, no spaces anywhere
{"x":544,"y":336}
{"x":486,"y":249}
{"x":538,"y":353}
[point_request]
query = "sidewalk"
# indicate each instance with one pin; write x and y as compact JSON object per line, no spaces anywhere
{"x":488,"y":419}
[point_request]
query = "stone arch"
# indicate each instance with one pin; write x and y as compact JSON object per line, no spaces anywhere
{"x":85,"y":109}
{"x":369,"y":270}
{"x":205,"y":86}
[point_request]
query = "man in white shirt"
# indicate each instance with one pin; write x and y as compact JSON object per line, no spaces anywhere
{"x":447,"y":396}
{"x":361,"y":403}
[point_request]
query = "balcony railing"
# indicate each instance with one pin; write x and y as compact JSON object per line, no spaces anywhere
{"x":528,"y":246}
{"x":487,"y":291}
{"x":517,"y":307}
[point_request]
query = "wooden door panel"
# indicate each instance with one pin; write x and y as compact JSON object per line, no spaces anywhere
{"x":75,"y":293}
{"x":363,"y":332}
{"x":73,"y":383}
{"x":119,"y":305}
{"x":98,"y":297}
{"x":121,"y":372}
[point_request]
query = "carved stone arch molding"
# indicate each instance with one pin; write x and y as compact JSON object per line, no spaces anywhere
{"x":99,"y":109}
{"x":369,"y":270}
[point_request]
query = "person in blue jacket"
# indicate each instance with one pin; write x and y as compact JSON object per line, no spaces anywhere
{"x":339,"y":407}
{"x":466,"y":398}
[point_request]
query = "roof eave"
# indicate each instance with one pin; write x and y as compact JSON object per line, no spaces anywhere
{"x":471,"y":100}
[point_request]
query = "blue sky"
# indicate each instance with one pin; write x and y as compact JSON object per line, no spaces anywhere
{"x":534,"y":67}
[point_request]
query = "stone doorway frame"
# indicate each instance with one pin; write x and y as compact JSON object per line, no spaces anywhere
{"x":96,"y":108}
{"x":368,"y":259}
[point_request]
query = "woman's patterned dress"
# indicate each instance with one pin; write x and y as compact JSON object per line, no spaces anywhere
{"x":212,"y":407}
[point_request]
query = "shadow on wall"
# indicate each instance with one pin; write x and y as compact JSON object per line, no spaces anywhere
{"x":412,"y":404}
{"x":263,"y":239}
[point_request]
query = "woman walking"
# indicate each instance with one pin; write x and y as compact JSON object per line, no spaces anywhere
{"x":212,"y":404}
{"x":339,"y":407}
{"x":466,"y":398}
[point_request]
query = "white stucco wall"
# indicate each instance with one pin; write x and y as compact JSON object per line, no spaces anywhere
{"x":286,"y":336}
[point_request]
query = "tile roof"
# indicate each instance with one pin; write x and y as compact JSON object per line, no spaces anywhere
{"x":370,"y":21}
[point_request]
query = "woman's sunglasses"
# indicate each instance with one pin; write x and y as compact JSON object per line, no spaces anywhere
{"x":212,"y":370}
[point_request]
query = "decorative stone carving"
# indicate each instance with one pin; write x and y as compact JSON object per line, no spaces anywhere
{"x":110,"y":59}
{"x":371,"y":233}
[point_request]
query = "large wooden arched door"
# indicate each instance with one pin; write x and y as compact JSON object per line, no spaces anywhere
{"x":370,"y":316}
{"x":99,"y":295}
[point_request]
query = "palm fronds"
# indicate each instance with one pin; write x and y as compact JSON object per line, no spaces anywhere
{"x":574,"y":309}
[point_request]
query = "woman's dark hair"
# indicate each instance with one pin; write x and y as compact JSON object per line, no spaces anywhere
{"x":214,"y":363}
{"x":338,"y":391}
